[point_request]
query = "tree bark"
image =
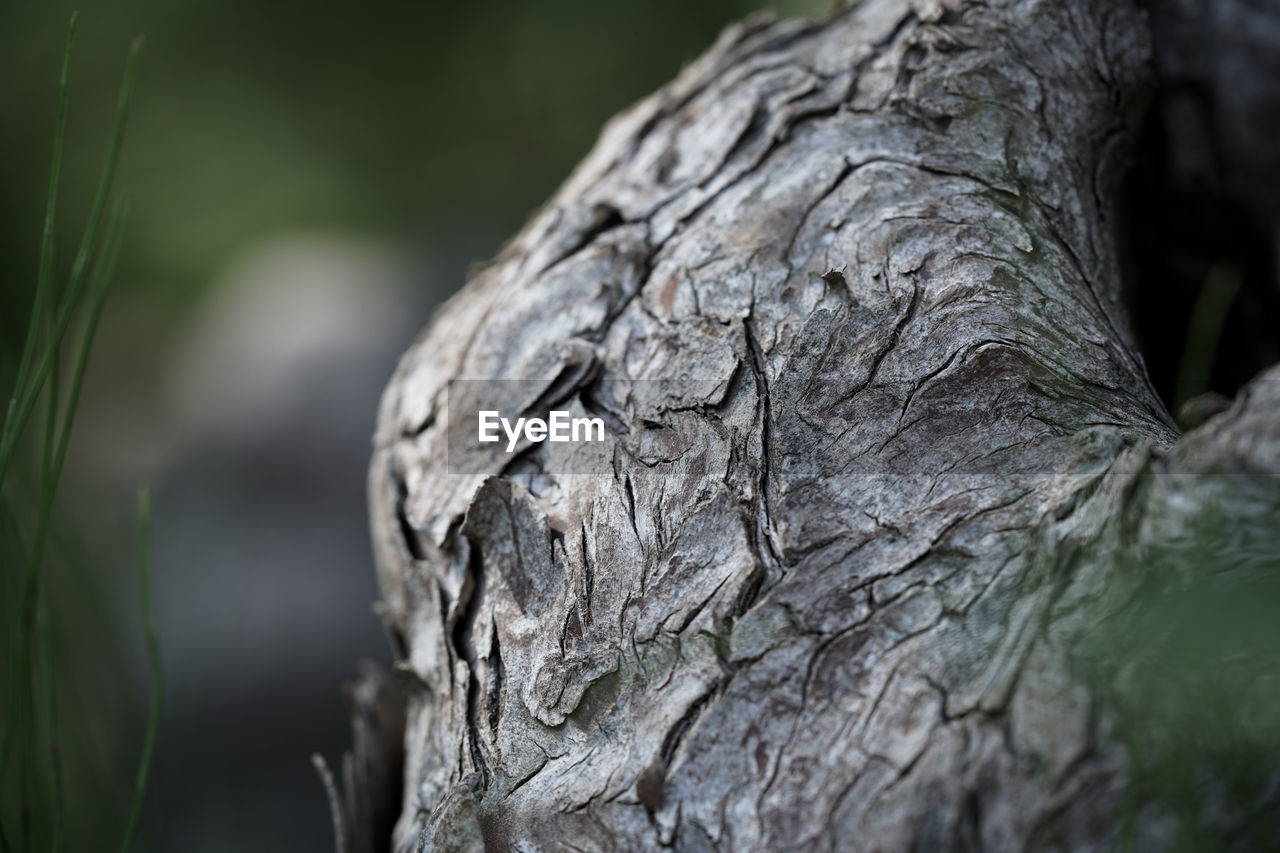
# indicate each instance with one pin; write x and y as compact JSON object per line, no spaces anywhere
{"x":831,"y":590}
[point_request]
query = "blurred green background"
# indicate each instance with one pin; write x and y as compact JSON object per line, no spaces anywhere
{"x":306,"y":180}
{"x":435,"y":123}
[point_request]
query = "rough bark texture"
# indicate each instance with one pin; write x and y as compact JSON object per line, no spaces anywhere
{"x":827,"y":597}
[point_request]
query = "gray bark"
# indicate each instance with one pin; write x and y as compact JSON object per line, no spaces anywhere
{"x":828,"y":595}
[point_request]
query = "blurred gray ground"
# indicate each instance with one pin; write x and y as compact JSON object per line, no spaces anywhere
{"x":257,"y":447}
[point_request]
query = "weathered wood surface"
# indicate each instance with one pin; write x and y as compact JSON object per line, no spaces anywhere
{"x":835,"y":609}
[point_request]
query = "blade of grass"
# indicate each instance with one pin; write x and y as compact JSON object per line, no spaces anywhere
{"x":33,"y":588}
{"x":16,"y":541}
{"x":45,"y":272}
{"x":22,"y":705}
{"x":51,"y":414}
{"x":100,"y":282}
{"x":30,"y":647}
{"x":31,"y":392}
{"x":153,"y":667}
{"x":44,"y":650}
{"x":99,"y":285}
{"x":81,"y":264}
{"x":1204,"y":331}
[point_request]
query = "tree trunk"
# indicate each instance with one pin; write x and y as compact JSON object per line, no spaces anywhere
{"x":904,"y":458}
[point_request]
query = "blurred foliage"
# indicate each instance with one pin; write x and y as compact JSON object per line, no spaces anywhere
{"x":1190,"y":670}
{"x":439,"y":123}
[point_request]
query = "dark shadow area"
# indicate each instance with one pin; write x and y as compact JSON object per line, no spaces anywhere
{"x":1202,"y":201}
{"x":1180,"y":229}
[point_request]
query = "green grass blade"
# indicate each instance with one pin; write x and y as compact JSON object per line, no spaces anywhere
{"x":51,"y":415}
{"x":9,"y":736}
{"x":33,"y":597}
{"x":1204,"y":331}
{"x":153,"y":667}
{"x":99,"y":286}
{"x":49,"y":484}
{"x":22,"y":705}
{"x":80,"y":266}
{"x":38,"y":310}
{"x":45,"y":649}
{"x":31,"y":722}
{"x":17,"y":420}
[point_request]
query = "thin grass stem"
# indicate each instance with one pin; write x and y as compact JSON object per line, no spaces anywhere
{"x":153,"y":667}
{"x":45,"y":272}
{"x":29,"y":394}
